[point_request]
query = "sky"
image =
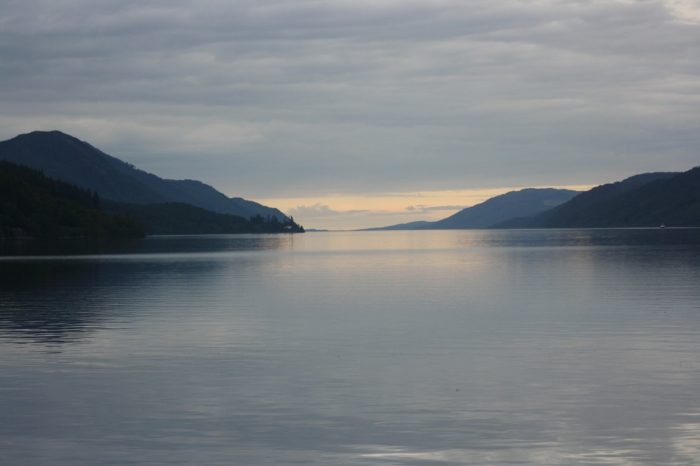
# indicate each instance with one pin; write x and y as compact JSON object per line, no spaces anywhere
{"x":358,"y":113}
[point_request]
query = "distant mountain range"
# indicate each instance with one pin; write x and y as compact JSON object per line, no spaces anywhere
{"x":646,"y":200}
{"x":111,"y":197}
{"x":64,"y":157}
{"x":498,"y":209}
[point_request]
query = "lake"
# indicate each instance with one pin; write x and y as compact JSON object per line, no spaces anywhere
{"x":541,"y":347}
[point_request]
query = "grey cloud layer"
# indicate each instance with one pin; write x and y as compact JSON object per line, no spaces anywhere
{"x":282,"y":98}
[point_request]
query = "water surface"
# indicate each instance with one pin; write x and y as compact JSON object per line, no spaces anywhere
{"x":549,"y":347}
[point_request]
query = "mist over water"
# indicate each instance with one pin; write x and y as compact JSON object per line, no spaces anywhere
{"x":552,"y":347}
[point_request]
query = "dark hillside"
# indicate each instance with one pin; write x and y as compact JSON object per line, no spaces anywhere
{"x":69,"y":159}
{"x":647,"y":200}
{"x":32,"y":205}
{"x":184,"y":219}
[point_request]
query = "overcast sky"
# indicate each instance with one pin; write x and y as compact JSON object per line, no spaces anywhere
{"x":331,"y":107}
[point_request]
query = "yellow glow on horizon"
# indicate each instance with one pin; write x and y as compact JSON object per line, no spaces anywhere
{"x":343,"y":211}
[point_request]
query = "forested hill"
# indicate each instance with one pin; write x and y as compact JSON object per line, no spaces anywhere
{"x":66,"y":158}
{"x":184,"y":219}
{"x":32,"y":205}
{"x":648,"y":200}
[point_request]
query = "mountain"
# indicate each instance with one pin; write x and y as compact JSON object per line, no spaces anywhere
{"x":417,"y":225}
{"x":183,"y":219}
{"x":69,"y":159}
{"x":521,"y":203}
{"x":646,"y":200}
{"x":32,"y":205}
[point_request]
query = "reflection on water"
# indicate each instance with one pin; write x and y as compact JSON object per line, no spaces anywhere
{"x":27,"y":310}
{"x":392,"y":348}
{"x":149,"y":245}
{"x":353,"y":241}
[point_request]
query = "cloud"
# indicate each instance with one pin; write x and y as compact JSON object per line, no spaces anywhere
{"x":278,"y":98}
{"x":434,"y":208}
{"x":685,"y":10}
{"x":321,"y":210}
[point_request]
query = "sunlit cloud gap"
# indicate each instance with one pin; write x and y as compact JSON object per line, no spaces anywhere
{"x":342,"y":211}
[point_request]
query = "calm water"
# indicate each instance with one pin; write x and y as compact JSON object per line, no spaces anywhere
{"x":371,"y":348}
